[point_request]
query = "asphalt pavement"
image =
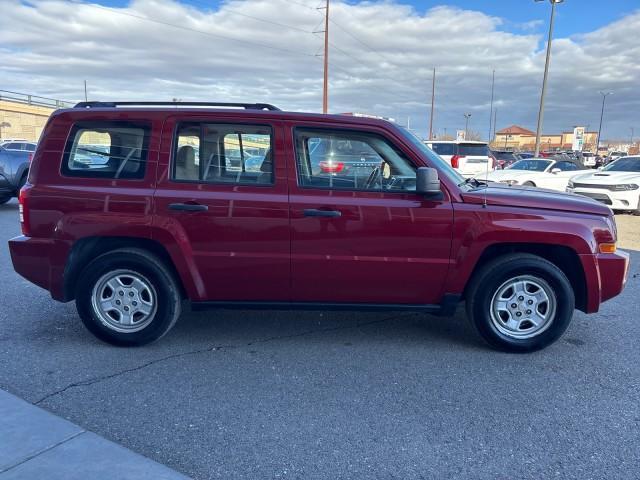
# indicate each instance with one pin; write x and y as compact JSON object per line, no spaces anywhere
{"x":324,"y":395}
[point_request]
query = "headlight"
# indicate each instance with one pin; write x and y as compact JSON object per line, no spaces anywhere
{"x":509,"y":182}
{"x":570,"y":184}
{"x":624,"y":187}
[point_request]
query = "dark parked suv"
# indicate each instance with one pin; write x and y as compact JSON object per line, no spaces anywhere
{"x":131,"y":208}
{"x":15,"y":157}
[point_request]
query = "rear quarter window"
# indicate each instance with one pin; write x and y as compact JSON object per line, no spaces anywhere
{"x":107,"y":150}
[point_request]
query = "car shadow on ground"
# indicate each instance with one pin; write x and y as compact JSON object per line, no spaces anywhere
{"x":250,"y":327}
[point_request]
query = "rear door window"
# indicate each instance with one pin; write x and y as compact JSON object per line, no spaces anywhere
{"x":115,"y":150}
{"x":223,"y":153}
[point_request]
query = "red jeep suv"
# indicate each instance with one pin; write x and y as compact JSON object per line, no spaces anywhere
{"x":130,"y":208}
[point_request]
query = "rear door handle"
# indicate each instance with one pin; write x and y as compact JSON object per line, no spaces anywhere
{"x":314,"y":212}
{"x":188,"y":207}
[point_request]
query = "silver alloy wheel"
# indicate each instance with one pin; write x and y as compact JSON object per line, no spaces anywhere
{"x":523,"y":307}
{"x":124,"y":300}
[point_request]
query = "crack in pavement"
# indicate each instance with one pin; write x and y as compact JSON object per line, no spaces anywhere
{"x":211,"y":348}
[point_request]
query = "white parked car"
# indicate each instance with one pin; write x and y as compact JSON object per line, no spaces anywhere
{"x":589,"y":159}
{"x":471,"y":159}
{"x":539,"y":172}
{"x":616,"y":185}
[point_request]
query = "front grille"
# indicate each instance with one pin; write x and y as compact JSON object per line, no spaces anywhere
{"x":601,"y":197}
{"x":595,"y":187}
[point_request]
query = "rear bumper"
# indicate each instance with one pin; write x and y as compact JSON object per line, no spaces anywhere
{"x":605,"y":275}
{"x":32,"y":259}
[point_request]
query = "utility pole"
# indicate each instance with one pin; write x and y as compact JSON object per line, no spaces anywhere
{"x":433,"y":98}
{"x":85,"y":91}
{"x":493,"y":82}
{"x":604,"y":97}
{"x":546,"y":73}
{"x":325,"y":87}
{"x":467,"y":116}
{"x":632,"y":132}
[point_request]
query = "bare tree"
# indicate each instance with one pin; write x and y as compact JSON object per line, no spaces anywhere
{"x":473,"y":135}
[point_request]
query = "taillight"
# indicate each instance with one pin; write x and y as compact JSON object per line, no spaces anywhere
{"x":455,"y":161}
{"x":329,"y":166}
{"x":23,"y":208}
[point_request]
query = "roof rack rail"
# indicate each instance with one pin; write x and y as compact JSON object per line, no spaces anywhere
{"x":246,"y":106}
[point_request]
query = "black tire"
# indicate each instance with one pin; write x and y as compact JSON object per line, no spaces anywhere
{"x":636,"y":212}
{"x":4,"y":200}
{"x":22,"y":181}
{"x":493,"y":276}
{"x":528,"y":184}
{"x":149,"y":268}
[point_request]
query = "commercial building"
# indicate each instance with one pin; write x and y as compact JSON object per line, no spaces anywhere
{"x":24,"y":116}
{"x":519,"y":138}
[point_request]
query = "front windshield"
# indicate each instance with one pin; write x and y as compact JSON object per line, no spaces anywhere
{"x":626,"y":164}
{"x":435,"y":161}
{"x":531,"y":165}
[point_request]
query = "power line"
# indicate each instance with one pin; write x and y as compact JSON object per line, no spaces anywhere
{"x":360,"y":41}
{"x":201,"y":32}
{"x":302,"y":5}
{"x":248,"y":42}
{"x":264,"y":20}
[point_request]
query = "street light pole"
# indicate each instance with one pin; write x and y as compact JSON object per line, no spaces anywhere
{"x":604,"y":97}
{"x":546,"y":73}
{"x":467,"y":116}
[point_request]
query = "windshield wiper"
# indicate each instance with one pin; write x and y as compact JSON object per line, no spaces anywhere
{"x":472,"y":181}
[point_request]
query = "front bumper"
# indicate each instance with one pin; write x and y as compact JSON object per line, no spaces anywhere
{"x":606,"y":275}
{"x":627,"y":200}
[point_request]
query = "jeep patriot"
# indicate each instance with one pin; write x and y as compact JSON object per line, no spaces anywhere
{"x":131,"y":208}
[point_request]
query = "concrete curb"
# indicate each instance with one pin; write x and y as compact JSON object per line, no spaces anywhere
{"x":36,"y":444}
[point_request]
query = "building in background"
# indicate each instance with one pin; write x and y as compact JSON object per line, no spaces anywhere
{"x":24,"y":116}
{"x":519,"y":138}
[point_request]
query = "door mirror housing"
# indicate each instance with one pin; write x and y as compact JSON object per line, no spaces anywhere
{"x":427,"y":181}
{"x":555,"y":170}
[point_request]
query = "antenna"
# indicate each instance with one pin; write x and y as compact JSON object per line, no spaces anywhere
{"x":486,"y":176}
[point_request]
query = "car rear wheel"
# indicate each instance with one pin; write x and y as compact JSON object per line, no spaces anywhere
{"x":520,"y":303}
{"x":128,"y":297}
{"x":4,"y":200}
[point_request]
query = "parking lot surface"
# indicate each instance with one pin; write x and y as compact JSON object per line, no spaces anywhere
{"x":253,"y":394}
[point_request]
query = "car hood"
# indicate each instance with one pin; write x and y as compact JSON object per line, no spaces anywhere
{"x":608,"y":178}
{"x":537,"y":198}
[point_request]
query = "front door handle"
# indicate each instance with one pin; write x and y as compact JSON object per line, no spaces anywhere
{"x":314,"y":212}
{"x":188,"y":207}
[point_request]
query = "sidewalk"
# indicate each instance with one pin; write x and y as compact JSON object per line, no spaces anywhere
{"x":35,"y":444}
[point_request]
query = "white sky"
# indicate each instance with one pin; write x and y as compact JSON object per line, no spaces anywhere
{"x":384,"y":67}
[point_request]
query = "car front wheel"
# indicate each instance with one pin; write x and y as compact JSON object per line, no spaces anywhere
{"x":128,"y":297}
{"x":520,"y":303}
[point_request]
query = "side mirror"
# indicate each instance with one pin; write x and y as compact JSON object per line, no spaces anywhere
{"x":555,"y":170}
{"x":427,"y":181}
{"x":600,"y":168}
